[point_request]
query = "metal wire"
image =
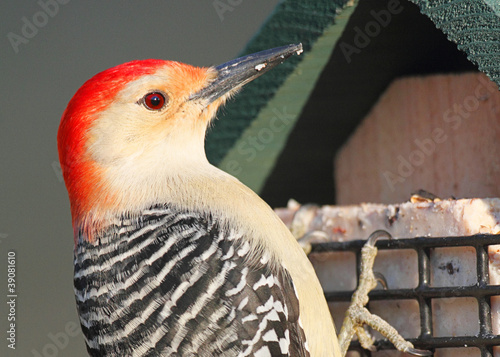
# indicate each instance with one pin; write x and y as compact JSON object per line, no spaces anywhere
{"x":424,"y":293}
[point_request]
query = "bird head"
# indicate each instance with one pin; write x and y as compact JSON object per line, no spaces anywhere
{"x":140,"y":125}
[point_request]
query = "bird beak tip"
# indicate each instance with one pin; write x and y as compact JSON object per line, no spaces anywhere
{"x":237,"y":72}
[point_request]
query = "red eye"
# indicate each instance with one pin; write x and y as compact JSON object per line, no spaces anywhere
{"x":154,"y":100}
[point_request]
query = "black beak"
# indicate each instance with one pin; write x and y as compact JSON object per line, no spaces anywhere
{"x":238,"y":72}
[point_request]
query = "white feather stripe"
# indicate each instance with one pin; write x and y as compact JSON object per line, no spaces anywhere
{"x":243,"y":303}
{"x":266,"y":307}
{"x":266,"y":281}
{"x":270,"y":336}
{"x":285,"y":343}
{"x":249,"y":317}
{"x":241,"y":284}
{"x":228,"y":255}
{"x":263,"y":352}
{"x":245,"y":248}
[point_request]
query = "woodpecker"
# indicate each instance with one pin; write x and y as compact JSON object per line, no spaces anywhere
{"x":174,"y":257}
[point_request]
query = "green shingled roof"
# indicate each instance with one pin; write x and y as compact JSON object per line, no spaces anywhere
{"x":474,"y":25}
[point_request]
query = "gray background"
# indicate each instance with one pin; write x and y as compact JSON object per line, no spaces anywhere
{"x":79,"y":40}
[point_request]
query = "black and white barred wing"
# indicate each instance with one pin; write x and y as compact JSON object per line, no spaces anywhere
{"x":176,"y":284}
{"x":267,"y":313}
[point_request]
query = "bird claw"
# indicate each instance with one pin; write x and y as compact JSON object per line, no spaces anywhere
{"x":379,"y":277}
{"x":357,"y":315}
{"x":375,"y":236}
{"x":417,"y":352}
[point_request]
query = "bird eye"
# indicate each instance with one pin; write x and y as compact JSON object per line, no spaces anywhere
{"x":154,"y":101}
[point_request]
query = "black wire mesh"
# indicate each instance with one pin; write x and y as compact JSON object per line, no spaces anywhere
{"x":424,"y":292}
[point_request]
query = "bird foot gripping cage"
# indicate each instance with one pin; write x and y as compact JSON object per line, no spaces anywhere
{"x":467,"y":307}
